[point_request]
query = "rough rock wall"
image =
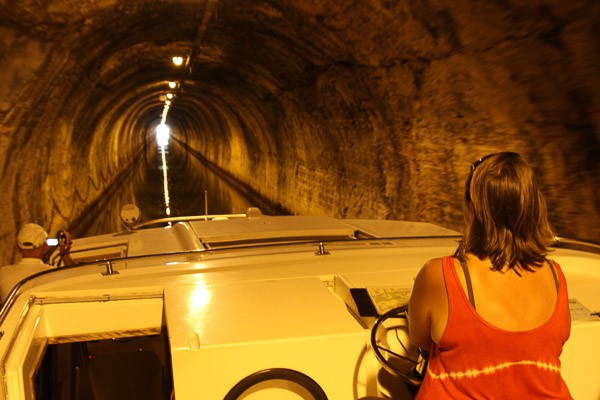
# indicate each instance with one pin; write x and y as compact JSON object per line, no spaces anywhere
{"x":396,"y":99}
{"x":372,"y":108}
{"x":58,"y":150}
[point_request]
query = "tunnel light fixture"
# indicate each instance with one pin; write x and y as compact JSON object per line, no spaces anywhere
{"x":169,"y":96}
{"x":177,"y":60}
{"x":172,"y":85}
{"x":168,"y":102}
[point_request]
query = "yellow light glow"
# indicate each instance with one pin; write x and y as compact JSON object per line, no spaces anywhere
{"x":177,"y":60}
{"x":200,"y":297}
{"x":172,"y":85}
{"x":169,"y":96}
{"x":168,"y":102}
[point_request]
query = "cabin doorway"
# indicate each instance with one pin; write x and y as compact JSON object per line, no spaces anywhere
{"x":124,"y":368}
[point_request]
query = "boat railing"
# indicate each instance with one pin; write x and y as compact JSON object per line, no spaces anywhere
{"x":171,"y":220}
{"x":266,"y":243}
{"x":575,"y":244}
{"x":107,"y":265}
{"x":251,"y":212}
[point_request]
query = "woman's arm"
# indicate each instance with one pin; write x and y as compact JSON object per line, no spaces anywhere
{"x":427,"y":303}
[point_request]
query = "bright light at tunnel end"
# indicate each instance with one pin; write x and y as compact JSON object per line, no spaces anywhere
{"x":163,"y":133}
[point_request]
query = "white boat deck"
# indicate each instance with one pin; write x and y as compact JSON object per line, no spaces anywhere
{"x":244,"y":295}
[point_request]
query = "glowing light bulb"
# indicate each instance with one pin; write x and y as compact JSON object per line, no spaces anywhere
{"x":172,"y":85}
{"x":169,"y":96}
{"x":177,"y":60}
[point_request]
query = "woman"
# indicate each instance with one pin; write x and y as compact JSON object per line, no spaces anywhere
{"x":495,"y":315}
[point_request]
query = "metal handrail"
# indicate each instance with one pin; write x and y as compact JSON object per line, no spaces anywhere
{"x":575,"y":244}
{"x":102,"y":263}
{"x":187,"y":218}
{"x":560,"y":242}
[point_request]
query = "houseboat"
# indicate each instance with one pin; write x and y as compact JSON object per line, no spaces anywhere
{"x":248,"y":306}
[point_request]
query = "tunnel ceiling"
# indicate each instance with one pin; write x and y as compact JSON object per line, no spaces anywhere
{"x":235,"y":49}
{"x":367,"y":108}
{"x":241,"y":49}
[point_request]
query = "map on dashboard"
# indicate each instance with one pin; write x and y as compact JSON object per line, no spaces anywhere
{"x":579,"y":312}
{"x":385,"y":298}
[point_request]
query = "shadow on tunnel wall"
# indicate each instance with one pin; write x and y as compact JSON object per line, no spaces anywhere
{"x":194,"y":188}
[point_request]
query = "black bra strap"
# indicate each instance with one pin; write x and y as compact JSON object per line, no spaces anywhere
{"x":553,"y":268}
{"x":469,"y":285}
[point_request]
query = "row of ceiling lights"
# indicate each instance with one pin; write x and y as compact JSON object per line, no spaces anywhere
{"x":163,"y":131}
{"x":178,"y":61}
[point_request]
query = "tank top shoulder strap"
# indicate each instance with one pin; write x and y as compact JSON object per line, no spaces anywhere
{"x":453,"y":286}
{"x":553,"y":267}
{"x":563,"y":315}
{"x":465,"y":269}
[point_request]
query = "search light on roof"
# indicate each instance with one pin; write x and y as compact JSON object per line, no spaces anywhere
{"x":130,"y":215}
{"x":177,"y":60}
{"x":162,"y":134}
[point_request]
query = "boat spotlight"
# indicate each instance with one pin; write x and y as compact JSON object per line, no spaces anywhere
{"x":162,"y":134}
{"x":130,"y":215}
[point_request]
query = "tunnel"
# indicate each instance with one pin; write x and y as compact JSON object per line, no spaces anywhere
{"x":353,"y":109}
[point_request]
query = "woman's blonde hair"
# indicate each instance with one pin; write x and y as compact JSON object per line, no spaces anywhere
{"x":505,"y":214}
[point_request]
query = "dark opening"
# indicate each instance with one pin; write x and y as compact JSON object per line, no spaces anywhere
{"x":123,"y":368}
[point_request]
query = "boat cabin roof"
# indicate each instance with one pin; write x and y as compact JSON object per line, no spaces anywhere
{"x":200,"y":233}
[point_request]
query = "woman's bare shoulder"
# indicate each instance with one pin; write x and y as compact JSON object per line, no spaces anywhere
{"x":432,"y":271}
{"x":429,"y":281}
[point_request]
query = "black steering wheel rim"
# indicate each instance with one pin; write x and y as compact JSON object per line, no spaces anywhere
{"x":291,"y":375}
{"x":414,"y":377}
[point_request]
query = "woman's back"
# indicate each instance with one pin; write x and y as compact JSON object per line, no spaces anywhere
{"x":508,"y":300}
{"x":494,"y":351}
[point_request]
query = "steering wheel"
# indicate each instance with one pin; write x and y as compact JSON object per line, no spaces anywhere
{"x":285,"y":374}
{"x":413,"y":375}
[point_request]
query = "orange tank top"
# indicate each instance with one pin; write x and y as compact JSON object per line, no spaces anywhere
{"x":476,"y":360}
